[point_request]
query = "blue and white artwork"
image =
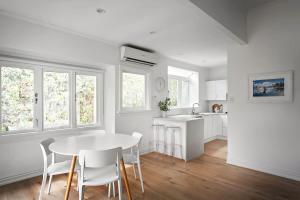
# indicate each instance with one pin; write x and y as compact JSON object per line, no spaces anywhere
{"x":268,"y":87}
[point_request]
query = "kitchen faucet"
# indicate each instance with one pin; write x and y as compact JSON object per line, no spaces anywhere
{"x":193,"y":110}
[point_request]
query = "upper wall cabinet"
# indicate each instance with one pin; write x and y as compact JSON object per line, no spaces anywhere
{"x":216,"y":90}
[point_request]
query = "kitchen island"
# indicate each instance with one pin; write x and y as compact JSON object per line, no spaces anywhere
{"x":181,"y":136}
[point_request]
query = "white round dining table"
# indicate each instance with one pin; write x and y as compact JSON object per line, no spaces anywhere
{"x":71,"y":146}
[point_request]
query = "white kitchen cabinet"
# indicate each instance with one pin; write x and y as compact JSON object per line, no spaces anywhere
{"x":215,"y":125}
{"x":221,"y":90}
{"x":225,"y":125}
{"x":216,"y":90}
{"x":224,"y":133}
{"x":211,"y":90}
{"x":207,"y":127}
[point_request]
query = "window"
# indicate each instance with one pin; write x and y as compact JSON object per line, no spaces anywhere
{"x":37,"y":97}
{"x":179,"y":91}
{"x":17,"y":94}
{"x":183,"y":87}
{"x":56,"y":99}
{"x":86,"y":99}
{"x":134,"y":89}
{"x":173,"y":91}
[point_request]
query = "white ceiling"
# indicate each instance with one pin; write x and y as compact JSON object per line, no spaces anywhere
{"x":183,"y":32}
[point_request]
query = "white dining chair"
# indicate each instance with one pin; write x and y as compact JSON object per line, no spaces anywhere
{"x":99,"y":167}
{"x":55,"y":168}
{"x":133,"y":158}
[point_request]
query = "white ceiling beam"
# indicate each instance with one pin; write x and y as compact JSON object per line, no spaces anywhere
{"x":231,"y":15}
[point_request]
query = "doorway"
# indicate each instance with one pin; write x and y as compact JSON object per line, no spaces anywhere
{"x":216,"y":148}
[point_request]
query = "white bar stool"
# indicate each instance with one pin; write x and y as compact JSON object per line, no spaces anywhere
{"x":173,"y":145}
{"x":157,"y":141}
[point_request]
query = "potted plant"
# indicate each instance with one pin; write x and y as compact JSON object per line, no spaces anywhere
{"x":164,"y":106}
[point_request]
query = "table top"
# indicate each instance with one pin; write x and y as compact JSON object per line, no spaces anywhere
{"x":72,"y":145}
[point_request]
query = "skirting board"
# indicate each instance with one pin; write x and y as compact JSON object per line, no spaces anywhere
{"x":146,"y":150}
{"x":294,"y":175}
{"x":219,"y":137}
{"x":20,"y":177}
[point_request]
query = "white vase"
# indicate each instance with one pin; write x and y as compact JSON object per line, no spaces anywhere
{"x":164,"y":114}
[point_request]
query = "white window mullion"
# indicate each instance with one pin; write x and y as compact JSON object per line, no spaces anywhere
{"x":0,"y":100}
{"x":99,"y":100}
{"x":148,"y":91}
{"x":180,"y":93}
{"x":38,"y":98}
{"x":73,"y":99}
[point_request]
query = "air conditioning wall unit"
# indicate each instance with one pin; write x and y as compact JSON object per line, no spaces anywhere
{"x":133,"y":55}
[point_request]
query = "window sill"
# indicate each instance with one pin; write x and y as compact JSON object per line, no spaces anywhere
{"x":134,"y":111}
{"x":38,"y":135}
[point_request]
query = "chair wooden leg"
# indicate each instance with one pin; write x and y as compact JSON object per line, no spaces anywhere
{"x":125,"y":180}
{"x":43,"y":185}
{"x":73,"y":163}
{"x":49,"y":184}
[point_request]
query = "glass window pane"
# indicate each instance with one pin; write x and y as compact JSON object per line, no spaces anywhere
{"x":173,"y":92}
{"x":185,"y":93}
{"x":17,"y":95}
{"x":86,"y":99}
{"x":133,"y":90}
{"x":56,"y":99}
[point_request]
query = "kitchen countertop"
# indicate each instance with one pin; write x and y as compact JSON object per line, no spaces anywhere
{"x":185,"y":118}
{"x":211,"y":113}
{"x":179,"y":118}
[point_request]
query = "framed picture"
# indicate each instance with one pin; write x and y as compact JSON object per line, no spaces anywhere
{"x":271,"y":87}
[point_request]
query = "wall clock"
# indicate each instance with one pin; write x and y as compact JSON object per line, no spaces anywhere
{"x":160,"y":84}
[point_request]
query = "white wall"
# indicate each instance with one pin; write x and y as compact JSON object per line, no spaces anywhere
{"x":266,"y":136}
{"x":142,"y":121}
{"x":20,"y":154}
{"x":217,"y":73}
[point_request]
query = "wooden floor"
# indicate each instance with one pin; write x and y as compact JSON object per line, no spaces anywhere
{"x":208,"y":177}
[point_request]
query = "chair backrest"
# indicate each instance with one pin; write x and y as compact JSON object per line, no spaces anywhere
{"x":45,"y":146}
{"x":99,"y":158}
{"x":137,"y":135}
{"x":46,"y":151}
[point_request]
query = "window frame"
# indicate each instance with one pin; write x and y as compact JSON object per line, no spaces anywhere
{"x":99,"y":99}
{"x":179,"y":79}
{"x":20,"y":66}
{"x":57,"y":70}
{"x":140,"y":71}
{"x":38,"y":68}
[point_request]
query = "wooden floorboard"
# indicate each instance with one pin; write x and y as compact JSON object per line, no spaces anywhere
{"x":207,"y":177}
